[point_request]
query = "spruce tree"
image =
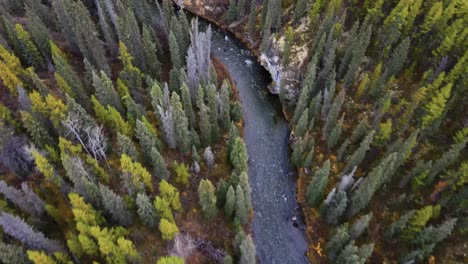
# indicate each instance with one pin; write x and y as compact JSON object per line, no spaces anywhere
{"x":317,"y":186}
{"x":115,"y":206}
{"x":335,"y":134}
{"x":125,"y":146}
{"x":304,"y":96}
{"x":150,"y":50}
{"x":360,"y":226}
{"x":207,"y":198}
{"x":180,"y":124}
{"x":335,"y":207}
{"x":241,"y":211}
{"x":105,"y":91}
{"x":205,"y":125}
{"x":175,"y":52}
{"x":187,"y":103}
{"x":238,"y":156}
{"x":252,"y":22}
{"x":337,"y":241}
{"x":146,"y":139}
{"x":159,"y":165}
{"x":241,"y":8}
{"x":247,"y":250}
{"x":360,"y":130}
{"x":360,"y":153}
{"x":232,"y":13}
{"x":129,"y":34}
{"x":145,"y":209}
{"x":300,"y":9}
{"x":230,"y":204}
{"x":335,"y":109}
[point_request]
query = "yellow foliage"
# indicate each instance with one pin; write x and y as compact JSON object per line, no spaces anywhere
{"x":138,"y":172}
{"x":63,"y":85}
{"x":39,"y":257}
{"x":43,"y":165}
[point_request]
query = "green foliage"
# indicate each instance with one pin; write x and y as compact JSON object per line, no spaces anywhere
{"x":288,"y":42}
{"x":182,"y":172}
{"x":232,"y":12}
{"x":207,"y":198}
{"x":229,"y":205}
{"x":138,"y":174}
{"x":238,"y":156}
{"x":317,"y":186}
{"x":170,"y":260}
{"x":241,"y":210}
{"x":168,"y":229}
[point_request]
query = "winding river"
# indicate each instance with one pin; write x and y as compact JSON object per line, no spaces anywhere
{"x":278,"y":238}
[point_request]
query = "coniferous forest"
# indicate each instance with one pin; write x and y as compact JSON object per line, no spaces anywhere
{"x":122,"y":135}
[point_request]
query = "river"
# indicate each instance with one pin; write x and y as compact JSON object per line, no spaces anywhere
{"x":277,"y":237}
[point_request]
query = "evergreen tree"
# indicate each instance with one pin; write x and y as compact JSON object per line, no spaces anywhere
{"x":129,"y":34}
{"x":300,"y":9}
{"x":225,"y":105}
{"x":175,"y":52}
{"x":232,"y":13}
{"x":18,"y":229}
{"x":27,"y":50}
{"x":241,"y":211}
{"x":187,"y":103}
{"x":180,"y":124}
{"x":304,"y":96}
{"x":238,"y":156}
{"x":338,"y":241}
{"x":125,"y":146}
{"x":115,"y":206}
{"x":10,"y":253}
{"x":150,"y":51}
{"x":288,"y":42}
{"x":364,"y":192}
{"x":36,"y":129}
{"x":105,"y":92}
{"x":335,"y":134}
{"x":447,"y":159}
{"x":211,"y":96}
{"x":205,"y":126}
{"x":241,"y":8}
{"x":145,"y":209}
{"x":252,"y":22}
{"x":360,"y":226}
{"x":335,"y":109}
{"x":230,"y":204}
{"x":335,"y":207}
{"x":207,"y":198}
{"x":317,"y":186}
{"x":160,"y":168}
{"x":147,"y":140}
{"x":360,"y":130}
{"x":135,"y":176}
{"x":360,"y":153}
{"x":247,"y":250}
{"x":39,"y":32}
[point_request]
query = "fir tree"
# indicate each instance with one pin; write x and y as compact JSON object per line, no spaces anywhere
{"x":18,"y":229}
{"x":105,"y":92}
{"x":115,"y":206}
{"x":335,"y":134}
{"x":333,"y":209}
{"x":338,"y":241}
{"x":238,"y":156}
{"x":241,"y":210}
{"x":335,"y":109}
{"x":447,"y":159}
{"x":180,"y":124}
{"x":317,"y":186}
{"x":360,"y":130}
{"x":205,"y":126}
{"x":175,"y":52}
{"x":160,"y":168}
{"x":187,"y":103}
{"x":147,"y":140}
{"x":304,"y":96}
{"x":230,"y":204}
{"x":232,"y":13}
{"x":27,"y":50}
{"x":150,"y":51}
{"x":360,"y":153}
{"x":247,"y":250}
{"x":360,"y":226}
{"x":125,"y":146}
{"x":145,"y":209}
{"x":207,"y":198}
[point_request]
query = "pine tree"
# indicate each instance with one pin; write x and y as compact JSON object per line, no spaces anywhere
{"x":232,"y":13}
{"x":338,"y":241}
{"x":115,"y":206}
{"x":187,"y":103}
{"x":300,"y":9}
{"x":105,"y":92}
{"x":317,"y":186}
{"x":252,"y":22}
{"x":10,"y":253}
{"x":335,"y":207}
{"x":18,"y":229}
{"x":360,"y":226}
{"x":230,"y":204}
{"x":205,"y":126}
{"x":238,"y":156}
{"x":365,"y":191}
{"x":335,"y":109}
{"x":175,"y":52}
{"x":207,"y":198}
{"x":247,"y":250}
{"x":335,"y":134}
{"x":288,"y":43}
{"x":150,"y":51}
{"x":360,"y":153}
{"x":241,"y":210}
{"x":147,"y":140}
{"x":180,"y":124}
{"x":125,"y":146}
{"x":27,"y":50}
{"x":160,"y":168}
{"x":145,"y":209}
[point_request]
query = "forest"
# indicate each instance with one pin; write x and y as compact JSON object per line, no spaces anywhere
{"x":123,"y":138}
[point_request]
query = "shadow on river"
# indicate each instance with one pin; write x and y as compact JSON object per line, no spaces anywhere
{"x":277,"y":237}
